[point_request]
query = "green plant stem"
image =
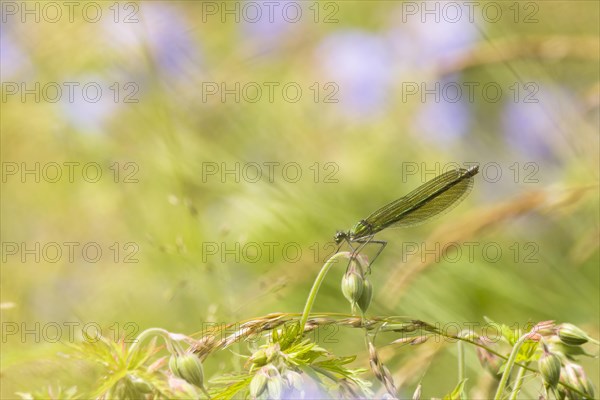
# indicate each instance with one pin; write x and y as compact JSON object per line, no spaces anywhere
{"x":315,"y":288}
{"x":518,"y":383}
{"x":509,"y":365}
{"x":146,"y":334}
{"x":526,"y":366}
{"x":461,"y":365}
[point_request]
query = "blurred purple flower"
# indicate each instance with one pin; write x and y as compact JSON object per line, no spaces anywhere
{"x":83,"y":112}
{"x":164,"y":30}
{"x":359,"y":63}
{"x":443,"y":121}
{"x":268,"y":23}
{"x":125,"y":37}
{"x":534,"y":128}
{"x":168,"y":35}
{"x":309,"y":390}
{"x":14,"y":60}
{"x":422,"y":44}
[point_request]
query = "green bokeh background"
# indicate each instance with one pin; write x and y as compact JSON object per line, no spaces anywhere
{"x":369,"y":139}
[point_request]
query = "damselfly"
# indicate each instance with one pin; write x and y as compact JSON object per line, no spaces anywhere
{"x":435,"y":197}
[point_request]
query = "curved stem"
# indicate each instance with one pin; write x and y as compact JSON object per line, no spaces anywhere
{"x":509,"y":365}
{"x":315,"y":288}
{"x":144,"y":335}
{"x":461,"y":365}
{"x":524,"y":366}
{"x":518,"y":383}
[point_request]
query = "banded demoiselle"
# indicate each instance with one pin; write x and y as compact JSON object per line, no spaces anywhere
{"x":434,"y":197}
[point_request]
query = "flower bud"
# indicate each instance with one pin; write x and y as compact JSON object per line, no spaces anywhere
{"x":267,"y":378}
{"x":549,"y":367}
{"x":576,"y":377}
{"x":123,"y":390}
{"x":140,"y":385}
{"x":189,"y":368}
{"x":558,"y":346}
{"x":258,"y":384}
{"x":275,"y":387}
{"x":274,"y":381}
{"x":367,"y":294}
{"x":293,"y":380}
{"x":572,"y":335}
{"x":173,"y":365}
{"x":259,"y":357}
{"x":352,"y":286}
{"x":273,"y":351}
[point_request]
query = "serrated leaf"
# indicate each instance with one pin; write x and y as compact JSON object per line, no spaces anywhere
{"x":527,"y":351}
{"x":233,"y":384}
{"x":287,"y":335}
{"x":337,"y":361}
{"x":509,"y":334}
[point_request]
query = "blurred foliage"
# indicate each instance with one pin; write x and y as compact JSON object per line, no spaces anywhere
{"x":157,"y":203}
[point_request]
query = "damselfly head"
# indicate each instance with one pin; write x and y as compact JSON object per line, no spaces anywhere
{"x":340,"y":237}
{"x":472,"y":170}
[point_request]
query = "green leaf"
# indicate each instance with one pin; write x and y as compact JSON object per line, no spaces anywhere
{"x":287,"y":335}
{"x":228,"y":386}
{"x":456,"y":394}
{"x":527,"y":352}
{"x":510,"y":335}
